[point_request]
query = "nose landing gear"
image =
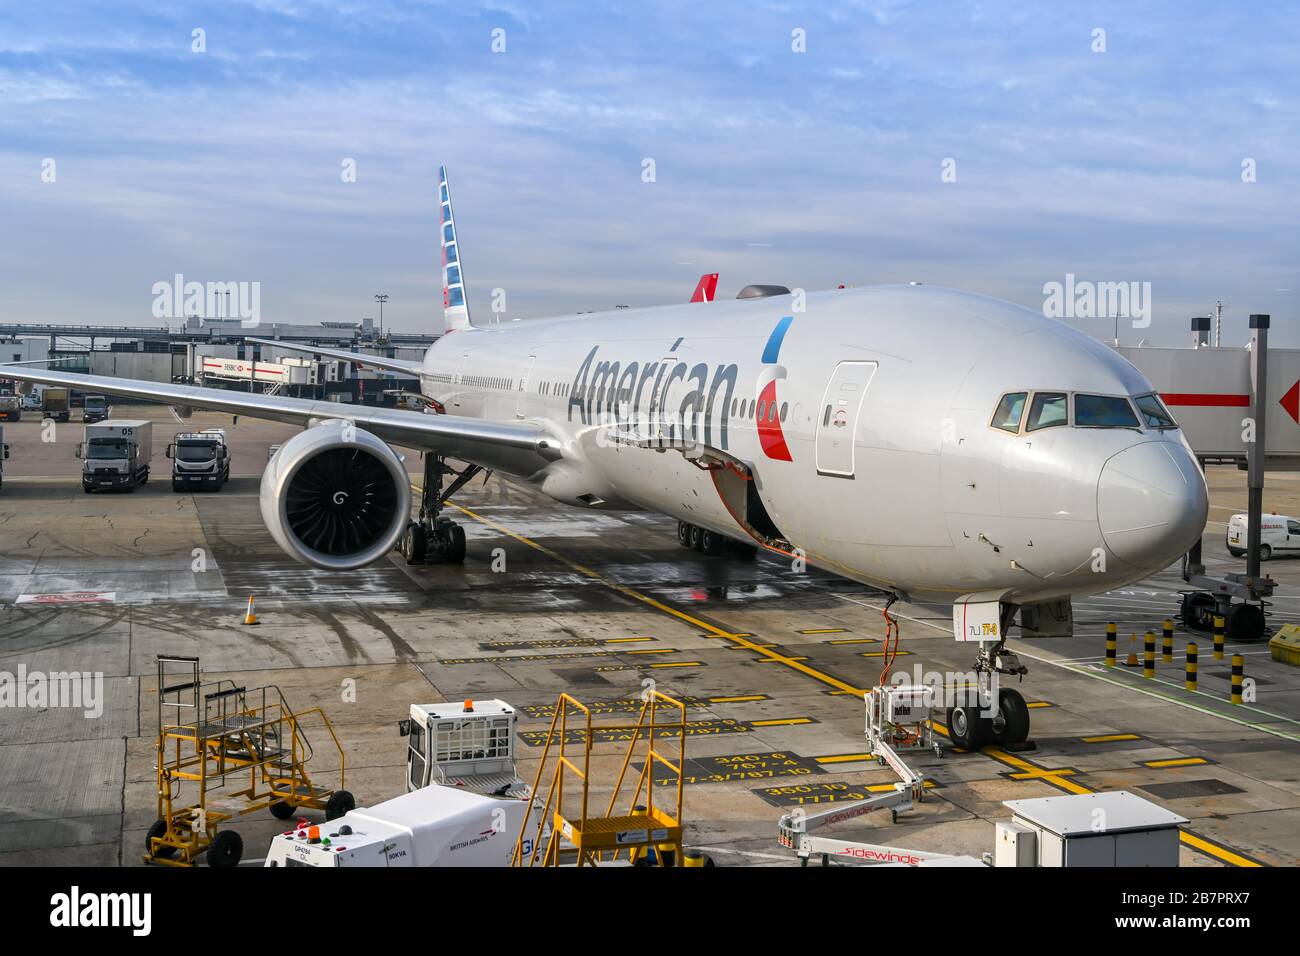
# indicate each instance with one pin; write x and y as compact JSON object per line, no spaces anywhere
{"x":978,"y":717}
{"x":435,"y":536}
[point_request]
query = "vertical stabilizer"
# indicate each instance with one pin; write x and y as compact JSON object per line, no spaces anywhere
{"x":706,"y":289}
{"x":455,"y":308}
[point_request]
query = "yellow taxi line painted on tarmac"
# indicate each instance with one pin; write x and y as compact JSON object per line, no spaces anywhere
{"x":738,"y":700}
{"x":1176,"y":762}
{"x":1031,"y":771}
{"x":781,"y":722}
{"x":1069,"y":786}
{"x":845,"y":758}
{"x":678,"y":664}
{"x":627,"y":640}
{"x":1109,"y":738}
{"x":666,"y":609}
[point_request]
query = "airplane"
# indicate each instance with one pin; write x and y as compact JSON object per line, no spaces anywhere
{"x":935,"y":444}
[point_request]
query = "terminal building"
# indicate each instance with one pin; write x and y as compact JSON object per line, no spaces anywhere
{"x":216,"y":353}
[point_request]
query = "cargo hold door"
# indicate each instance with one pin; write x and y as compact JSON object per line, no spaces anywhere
{"x":838,"y":422}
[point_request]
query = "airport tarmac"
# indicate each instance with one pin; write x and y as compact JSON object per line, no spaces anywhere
{"x":771,"y":660}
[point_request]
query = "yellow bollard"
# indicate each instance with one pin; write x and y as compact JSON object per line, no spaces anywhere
{"x":693,"y":857}
{"x":1219,"y":625}
{"x":1149,"y":655}
{"x":1111,"y":630}
{"x":1238,"y":675}
{"x":1167,"y":639}
{"x":1190,"y":678}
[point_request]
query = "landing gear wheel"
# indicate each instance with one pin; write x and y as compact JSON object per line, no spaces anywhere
{"x":711,"y":543}
{"x":966,"y":728}
{"x":415,"y":544}
{"x":697,"y":538}
{"x":158,"y":830}
{"x":1013,"y":718}
{"x":1199,"y":610}
{"x":281,"y":810}
{"x":225,"y":850}
{"x":1265,"y":553}
{"x":1245,"y":623}
{"x":684,"y":533}
{"x":339,"y":803}
{"x":456,"y":544}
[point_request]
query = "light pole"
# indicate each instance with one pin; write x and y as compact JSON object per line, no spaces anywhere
{"x":381,"y":298}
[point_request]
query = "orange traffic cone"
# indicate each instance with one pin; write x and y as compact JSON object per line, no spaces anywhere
{"x":1130,"y":661}
{"x":250,"y":617}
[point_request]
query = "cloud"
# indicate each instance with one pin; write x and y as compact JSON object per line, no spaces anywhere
{"x":1123,"y":165}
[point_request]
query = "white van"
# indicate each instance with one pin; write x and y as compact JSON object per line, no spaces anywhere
{"x":1279,"y":534}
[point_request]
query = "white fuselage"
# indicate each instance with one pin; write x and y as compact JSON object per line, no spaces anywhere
{"x":880,"y":464}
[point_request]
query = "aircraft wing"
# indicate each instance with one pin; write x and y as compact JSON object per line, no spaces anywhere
{"x":376,"y":361}
{"x":515,"y":448}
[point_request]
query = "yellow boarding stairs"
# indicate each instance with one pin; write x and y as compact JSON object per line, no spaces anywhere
{"x":232,"y":751}
{"x":564,"y":831}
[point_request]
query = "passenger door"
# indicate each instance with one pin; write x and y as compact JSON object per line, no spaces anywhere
{"x":837,"y":425}
{"x":1292,"y":535}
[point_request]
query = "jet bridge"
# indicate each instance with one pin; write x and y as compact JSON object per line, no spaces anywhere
{"x":1237,"y":406}
{"x":1210,"y":392}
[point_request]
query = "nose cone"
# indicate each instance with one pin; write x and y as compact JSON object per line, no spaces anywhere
{"x":1151,"y":503}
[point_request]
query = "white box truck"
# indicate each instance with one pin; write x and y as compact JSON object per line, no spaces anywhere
{"x":432,"y":826}
{"x":200,"y":460}
{"x":4,"y":453}
{"x":116,"y":454}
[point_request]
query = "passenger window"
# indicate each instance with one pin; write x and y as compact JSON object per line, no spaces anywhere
{"x":1293,"y":527}
{"x":1047,"y":410}
{"x":1009,"y":411}
{"x":1153,"y":412}
{"x":1103,"y":411}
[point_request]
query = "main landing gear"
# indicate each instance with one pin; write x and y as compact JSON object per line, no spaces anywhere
{"x":974,"y":721}
{"x":435,"y":536}
{"x":710,"y":542}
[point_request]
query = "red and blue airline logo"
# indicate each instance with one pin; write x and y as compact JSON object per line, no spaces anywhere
{"x":768,"y":415}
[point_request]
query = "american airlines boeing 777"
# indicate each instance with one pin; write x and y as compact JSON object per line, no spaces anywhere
{"x":936,"y":444}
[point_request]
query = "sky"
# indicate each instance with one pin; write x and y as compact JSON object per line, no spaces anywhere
{"x":984,"y":146}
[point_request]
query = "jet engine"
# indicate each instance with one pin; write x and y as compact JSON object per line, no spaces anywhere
{"x":336,"y":497}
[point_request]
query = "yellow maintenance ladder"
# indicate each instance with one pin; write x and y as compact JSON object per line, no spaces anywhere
{"x":210,"y":734}
{"x":571,"y":833}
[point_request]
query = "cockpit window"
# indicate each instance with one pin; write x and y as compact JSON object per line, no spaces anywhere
{"x":1153,"y":412}
{"x":1103,"y":411}
{"x":1048,"y":409}
{"x":1010,"y":409}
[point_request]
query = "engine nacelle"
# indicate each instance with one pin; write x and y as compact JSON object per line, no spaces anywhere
{"x":336,"y":497}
